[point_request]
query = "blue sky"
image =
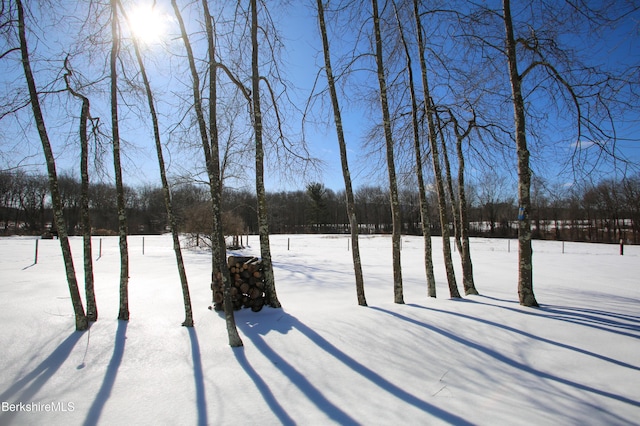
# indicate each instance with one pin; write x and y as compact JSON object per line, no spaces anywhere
{"x":302,"y":59}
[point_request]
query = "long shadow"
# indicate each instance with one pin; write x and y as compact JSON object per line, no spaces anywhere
{"x":530,"y":336}
{"x":306,"y":270}
{"x":601,"y":320}
{"x":298,"y":379}
{"x":198,"y":377}
{"x":26,"y":388}
{"x":618,"y":316}
{"x":288,"y":322}
{"x":95,"y":411}
{"x":263,"y":387}
{"x":598,"y":319}
{"x":518,"y":365}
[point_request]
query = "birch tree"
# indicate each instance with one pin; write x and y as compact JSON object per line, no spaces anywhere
{"x":435,"y":158}
{"x":123,"y":313}
{"x":417,"y":149}
{"x":525,"y":251}
{"x":263,"y":220}
{"x":80,"y":317}
{"x":166,"y":192}
{"x":218,"y":260}
{"x":85,"y":118}
{"x":391,"y":168}
{"x":461,"y":134}
{"x":559,"y":84}
{"x":337,"y":117}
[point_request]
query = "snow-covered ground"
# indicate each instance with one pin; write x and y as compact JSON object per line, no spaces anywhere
{"x":322,"y":358}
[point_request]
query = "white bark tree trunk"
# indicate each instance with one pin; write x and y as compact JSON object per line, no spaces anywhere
{"x":80,"y":318}
{"x":525,"y":251}
{"x":337,"y":116}
{"x":123,"y":313}
{"x":263,"y":221}
{"x":429,"y":107}
{"x":166,"y":192}
{"x":388,"y":135}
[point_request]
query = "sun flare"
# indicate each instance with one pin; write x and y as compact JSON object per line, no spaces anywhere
{"x":148,"y":23}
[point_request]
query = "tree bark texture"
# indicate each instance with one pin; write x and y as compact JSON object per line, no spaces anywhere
{"x":435,"y":159}
{"x":465,"y":248}
{"x":214,"y":185}
{"x":393,"y":184}
{"x":80,"y":318}
{"x":123,"y":313}
{"x":337,"y":116}
{"x":188,"y":321}
{"x":525,"y":251}
{"x":215,"y":179}
{"x":92,"y":309}
{"x":455,"y":214}
{"x":263,"y":221}
{"x":417,"y":148}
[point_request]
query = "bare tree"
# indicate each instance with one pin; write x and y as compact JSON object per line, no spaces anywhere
{"x":557,"y":76}
{"x":465,"y":247}
{"x":213,"y":172}
{"x":391,"y":168}
{"x":168,"y":203}
{"x":263,"y":221}
{"x":435,"y":158}
{"x":123,"y":313}
{"x":80,"y":318}
{"x":448,"y":179}
{"x":215,"y":179}
{"x":417,"y":148}
{"x":85,"y":117}
{"x":525,"y":251}
{"x":337,"y":117}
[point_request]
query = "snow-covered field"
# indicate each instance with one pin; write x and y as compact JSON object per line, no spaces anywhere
{"x":322,"y":358}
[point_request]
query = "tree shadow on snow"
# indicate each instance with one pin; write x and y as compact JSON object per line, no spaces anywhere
{"x":104,"y":393}
{"x":502,"y":358}
{"x":27,"y":387}
{"x":198,"y":377}
{"x":263,"y":387}
{"x":529,"y":335}
{"x":612,"y":322}
{"x":310,"y":272}
{"x":287,"y":322}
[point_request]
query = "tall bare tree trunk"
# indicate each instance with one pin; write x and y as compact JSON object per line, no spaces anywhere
{"x":188,"y":321}
{"x":81,"y":319}
{"x":337,"y":116}
{"x":263,"y":221}
{"x":465,"y":248}
{"x":449,"y":183}
{"x":459,"y":209}
{"x":123,"y":313}
{"x":92,"y":309}
{"x":417,"y":147}
{"x":218,"y":260}
{"x":391,"y":167}
{"x":525,"y":251}
{"x":213,"y":166}
{"x":435,"y":159}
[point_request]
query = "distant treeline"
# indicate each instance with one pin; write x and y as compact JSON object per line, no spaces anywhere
{"x":603,"y":212}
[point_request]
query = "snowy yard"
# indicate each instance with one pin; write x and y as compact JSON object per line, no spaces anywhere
{"x":323,"y":359}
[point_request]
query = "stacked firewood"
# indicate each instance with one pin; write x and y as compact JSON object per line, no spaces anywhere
{"x":247,"y":284}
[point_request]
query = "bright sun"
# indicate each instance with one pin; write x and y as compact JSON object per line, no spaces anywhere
{"x":148,"y":24}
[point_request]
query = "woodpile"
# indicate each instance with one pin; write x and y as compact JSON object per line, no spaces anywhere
{"x":247,"y":284}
